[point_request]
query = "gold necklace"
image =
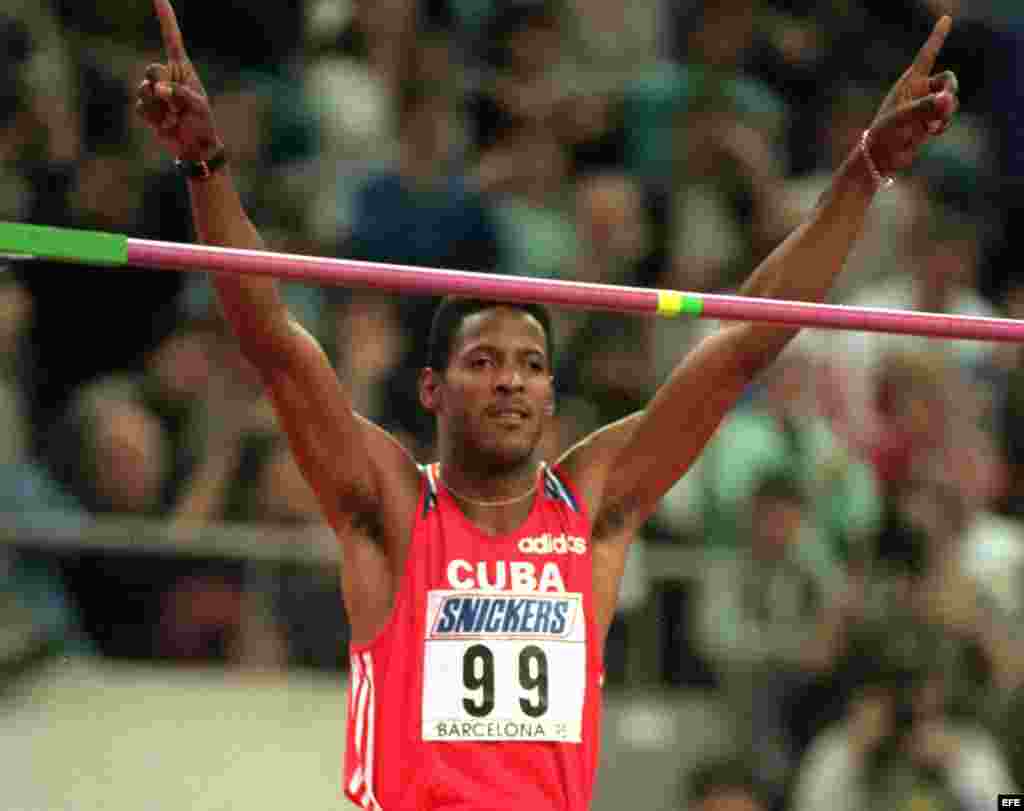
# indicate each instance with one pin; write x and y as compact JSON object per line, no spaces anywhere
{"x":478,"y":503}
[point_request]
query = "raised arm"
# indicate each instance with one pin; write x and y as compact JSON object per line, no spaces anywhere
{"x":627,"y":467}
{"x":347,"y":461}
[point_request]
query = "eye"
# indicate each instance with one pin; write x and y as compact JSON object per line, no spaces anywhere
{"x":480,"y":362}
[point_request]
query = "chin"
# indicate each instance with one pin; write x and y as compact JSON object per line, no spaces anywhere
{"x":510,"y":452}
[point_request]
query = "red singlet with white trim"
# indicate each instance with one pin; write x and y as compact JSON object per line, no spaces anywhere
{"x":483,"y":691}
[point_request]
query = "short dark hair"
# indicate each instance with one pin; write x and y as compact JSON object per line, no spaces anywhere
{"x":453,"y":310}
{"x":510,"y":17}
{"x":724,"y":772}
{"x":412,"y":95}
{"x":780,"y":485}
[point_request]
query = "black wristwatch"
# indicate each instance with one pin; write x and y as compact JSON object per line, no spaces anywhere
{"x":202,"y":170}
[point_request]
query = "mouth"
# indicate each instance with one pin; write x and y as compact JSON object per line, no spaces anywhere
{"x":509,"y":414}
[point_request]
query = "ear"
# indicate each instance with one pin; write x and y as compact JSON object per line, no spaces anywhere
{"x":549,"y":406}
{"x":430,"y":389}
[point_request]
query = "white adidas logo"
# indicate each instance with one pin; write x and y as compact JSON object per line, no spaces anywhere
{"x":548,"y":544}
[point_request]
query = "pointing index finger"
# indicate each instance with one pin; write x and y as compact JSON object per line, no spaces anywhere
{"x":173,"y":43}
{"x":925,"y":59}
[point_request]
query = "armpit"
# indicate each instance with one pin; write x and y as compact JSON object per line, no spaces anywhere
{"x":610,"y":522}
{"x":368,"y":524}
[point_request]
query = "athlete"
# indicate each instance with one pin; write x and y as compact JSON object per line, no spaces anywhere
{"x":480,"y":588}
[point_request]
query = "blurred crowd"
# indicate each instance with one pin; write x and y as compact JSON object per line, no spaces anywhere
{"x":859,"y":512}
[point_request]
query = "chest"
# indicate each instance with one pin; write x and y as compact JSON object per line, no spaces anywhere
{"x":549,"y":554}
{"x":506,"y":630}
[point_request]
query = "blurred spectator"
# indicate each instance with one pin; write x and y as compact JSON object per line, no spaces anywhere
{"x":127,"y":311}
{"x":726,"y":784}
{"x":30,"y":499}
{"x":111,"y":454}
{"x":944,"y":254}
{"x":727,"y":207}
{"x":917,"y":579}
{"x":176,"y":385}
{"x":778,"y":430}
{"x":205,"y":614}
{"x":1008,"y":408}
{"x":708,"y":64}
{"x":354,"y":64}
{"x":307,"y":599}
{"x":424,"y":211}
{"x":607,"y":356}
{"x":524,"y":171}
{"x":15,"y":369}
{"x":114,"y":454}
{"x":529,"y":80}
{"x":764,"y":623}
{"x":369,"y":344}
{"x":357,"y":49}
{"x":521,"y":47}
{"x":613,"y":227}
{"x":1011,"y":733}
{"x":928,"y":413}
{"x":606,"y":364}
{"x":615,"y":38}
{"x":914,"y":410}
{"x":984,"y":654}
{"x":898,"y":746}
{"x":720,"y":35}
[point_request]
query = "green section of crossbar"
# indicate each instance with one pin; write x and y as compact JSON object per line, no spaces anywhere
{"x":21,"y":240}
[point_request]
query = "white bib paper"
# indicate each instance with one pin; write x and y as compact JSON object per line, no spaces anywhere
{"x":504,"y":666}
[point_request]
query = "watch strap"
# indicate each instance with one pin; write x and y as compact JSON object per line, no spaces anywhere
{"x":202,"y":169}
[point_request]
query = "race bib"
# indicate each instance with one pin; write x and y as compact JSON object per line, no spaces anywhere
{"x":501,"y":666}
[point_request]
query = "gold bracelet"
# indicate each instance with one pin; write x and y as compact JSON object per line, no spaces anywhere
{"x":881,"y":181}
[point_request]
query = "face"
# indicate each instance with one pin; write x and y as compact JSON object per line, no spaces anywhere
{"x":726,"y":32}
{"x":610,"y":217}
{"x":130,"y":458}
{"x":496,"y":397}
{"x":535,"y":48}
{"x":429,"y":134}
{"x":776,"y":527}
{"x":182,"y":364}
{"x":730,"y":799}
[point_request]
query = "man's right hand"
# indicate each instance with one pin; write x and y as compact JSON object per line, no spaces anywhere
{"x":171,"y":99}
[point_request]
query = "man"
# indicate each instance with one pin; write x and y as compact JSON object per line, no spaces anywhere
{"x":899,"y":745}
{"x":479,"y":588}
{"x":763,"y":622}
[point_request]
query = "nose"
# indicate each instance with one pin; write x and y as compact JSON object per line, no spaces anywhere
{"x":510,"y":379}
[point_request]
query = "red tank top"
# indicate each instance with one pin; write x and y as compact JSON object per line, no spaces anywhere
{"x":483,"y":691}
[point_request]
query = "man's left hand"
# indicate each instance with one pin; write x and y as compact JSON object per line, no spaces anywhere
{"x":918,"y":107}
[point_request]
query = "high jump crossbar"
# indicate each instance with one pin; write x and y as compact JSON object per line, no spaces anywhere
{"x":21,"y":241}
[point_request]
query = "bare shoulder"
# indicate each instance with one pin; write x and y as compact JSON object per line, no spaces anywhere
{"x":398,"y":473}
{"x":374,"y":528}
{"x":396,"y":492}
{"x":589,"y":463}
{"x":366,"y":481}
